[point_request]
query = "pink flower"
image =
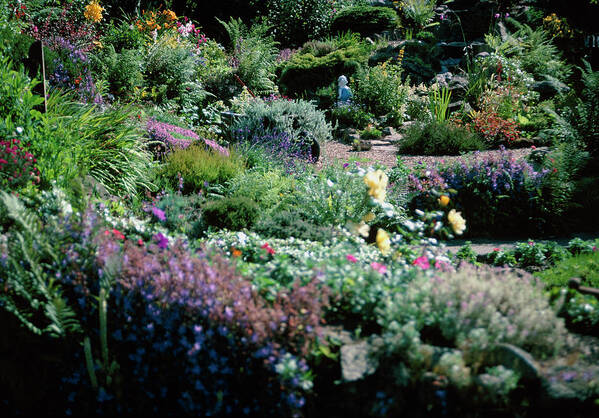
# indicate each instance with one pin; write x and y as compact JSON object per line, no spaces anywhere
{"x":422,"y":262}
{"x":268,"y":249}
{"x":381,"y":268}
{"x":496,"y":249}
{"x":351,"y":258}
{"x":594,"y":248}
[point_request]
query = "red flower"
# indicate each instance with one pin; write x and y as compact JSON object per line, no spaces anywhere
{"x":268,"y":249}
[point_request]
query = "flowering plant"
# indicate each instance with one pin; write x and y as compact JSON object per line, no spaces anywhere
{"x":17,"y":165}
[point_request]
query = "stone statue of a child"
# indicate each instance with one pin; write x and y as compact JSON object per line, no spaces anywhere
{"x":344,"y":92}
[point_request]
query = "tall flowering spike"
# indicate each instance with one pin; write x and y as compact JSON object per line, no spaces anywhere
{"x":93,"y":11}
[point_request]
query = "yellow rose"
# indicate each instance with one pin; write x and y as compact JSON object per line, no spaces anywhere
{"x":383,"y":241}
{"x":377,"y":182}
{"x":458,"y":224}
{"x":443,"y":200}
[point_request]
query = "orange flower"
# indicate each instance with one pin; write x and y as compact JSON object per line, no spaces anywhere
{"x":236,"y":252}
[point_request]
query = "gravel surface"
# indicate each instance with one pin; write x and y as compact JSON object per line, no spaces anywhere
{"x":335,"y":151}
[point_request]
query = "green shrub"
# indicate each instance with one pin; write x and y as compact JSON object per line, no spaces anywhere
{"x":365,"y":20}
{"x":291,"y":223}
{"x":169,"y":66}
{"x":197,"y":165}
{"x":234,"y":213}
{"x":380,"y":90}
{"x":264,"y":187}
{"x":439,"y":138}
{"x":254,"y":53}
{"x":296,"y":21}
{"x":586,"y":115}
{"x":122,"y":70}
{"x":181,"y":212}
{"x":123,"y":36}
{"x":214,"y":71}
{"x":419,"y":12}
{"x":351,"y":116}
{"x":298,"y":118}
{"x":305,"y":71}
{"x":17,"y":100}
{"x":371,"y":133}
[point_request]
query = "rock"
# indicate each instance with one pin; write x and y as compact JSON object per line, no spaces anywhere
{"x":455,"y":106}
{"x":450,"y":63}
{"x":516,"y":359}
{"x":356,"y":362}
{"x":549,"y":88}
{"x":361,"y":145}
{"x":481,"y":55}
{"x":389,"y":130}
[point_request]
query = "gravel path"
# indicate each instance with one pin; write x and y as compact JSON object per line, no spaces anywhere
{"x":384,"y":151}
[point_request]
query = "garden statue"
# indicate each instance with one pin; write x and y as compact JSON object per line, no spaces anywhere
{"x":345,"y":93}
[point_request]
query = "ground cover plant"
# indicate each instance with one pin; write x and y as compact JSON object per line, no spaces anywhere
{"x":178,"y":237}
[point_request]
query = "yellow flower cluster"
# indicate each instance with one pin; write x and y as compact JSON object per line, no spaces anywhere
{"x":458,"y":224}
{"x":377,"y":182}
{"x":383,"y":241}
{"x":557,"y":27}
{"x":93,"y":11}
{"x":443,"y":200}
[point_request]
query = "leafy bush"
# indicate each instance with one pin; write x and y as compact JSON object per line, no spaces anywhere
{"x":123,"y":36}
{"x":286,"y":224}
{"x":122,"y":70}
{"x":351,"y":116}
{"x":266,"y":188}
{"x":305,"y":71}
{"x":370,"y":133}
{"x":296,"y":21}
{"x":586,"y":116}
{"x":196,"y":166}
{"x":418,"y":12}
{"x":233,"y":213}
{"x":365,"y":20}
{"x":17,"y":100}
{"x":254,"y":53}
{"x":169,"y":66}
{"x":381,"y":90}
{"x":180,"y":213}
{"x":439,"y":138}
{"x":332,"y":196}
{"x":297,"y":118}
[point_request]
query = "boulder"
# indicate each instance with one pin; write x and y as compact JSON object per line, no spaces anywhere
{"x":549,"y":88}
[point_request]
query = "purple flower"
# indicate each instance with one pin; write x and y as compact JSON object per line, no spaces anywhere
{"x":159,"y":213}
{"x":161,"y":240}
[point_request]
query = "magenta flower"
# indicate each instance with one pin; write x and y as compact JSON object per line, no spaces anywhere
{"x":351,"y":258}
{"x":159,"y":213}
{"x":422,"y":262}
{"x":381,"y":268}
{"x":161,"y":240}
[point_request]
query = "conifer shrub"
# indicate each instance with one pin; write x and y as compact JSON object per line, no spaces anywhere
{"x":365,"y":20}
{"x":233,"y":213}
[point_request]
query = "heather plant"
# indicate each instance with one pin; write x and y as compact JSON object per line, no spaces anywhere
{"x":439,"y":138}
{"x":166,"y":137}
{"x":198,"y":166}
